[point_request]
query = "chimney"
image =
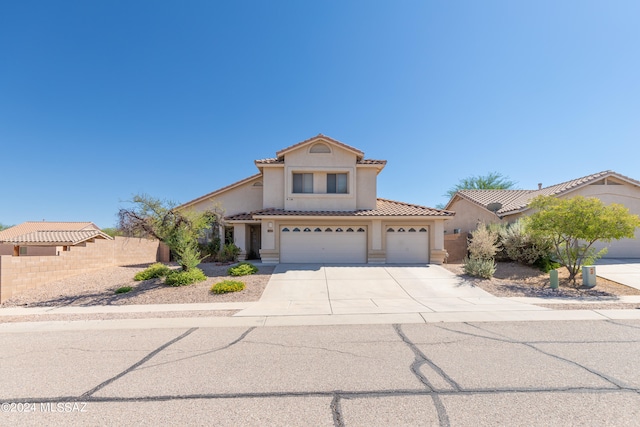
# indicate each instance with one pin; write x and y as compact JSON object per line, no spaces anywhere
{"x":539,"y":186}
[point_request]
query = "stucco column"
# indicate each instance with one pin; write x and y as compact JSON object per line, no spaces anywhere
{"x":376,"y":235}
{"x":240,"y":240}
{"x":438,"y":254}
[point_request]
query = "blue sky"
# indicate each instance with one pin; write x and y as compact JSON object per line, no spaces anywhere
{"x":100,"y":100}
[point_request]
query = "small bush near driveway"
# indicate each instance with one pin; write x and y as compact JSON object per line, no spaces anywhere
{"x":242,"y":269}
{"x":227,"y":286}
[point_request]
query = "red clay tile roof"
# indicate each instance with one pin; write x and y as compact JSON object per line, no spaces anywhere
{"x":31,"y":226}
{"x":56,"y":237}
{"x":359,"y":153}
{"x":384,"y":207}
{"x":270,"y":161}
{"x":517,"y":200}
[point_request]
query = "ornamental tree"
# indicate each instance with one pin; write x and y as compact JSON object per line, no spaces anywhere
{"x":179,"y":229}
{"x":574,"y":225}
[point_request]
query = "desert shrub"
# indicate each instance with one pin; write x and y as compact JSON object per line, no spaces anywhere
{"x":477,"y":267}
{"x":185,"y":277}
{"x":154,"y":270}
{"x":229,"y":253}
{"x":227,"y":286}
{"x":522,"y":246}
{"x":124,"y":290}
{"x":483,"y":243}
{"x":242,"y":269}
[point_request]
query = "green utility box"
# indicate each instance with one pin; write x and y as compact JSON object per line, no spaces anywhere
{"x":553,"y":275}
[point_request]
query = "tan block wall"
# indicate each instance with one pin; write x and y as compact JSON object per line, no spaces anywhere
{"x":456,"y":247}
{"x":18,"y":274}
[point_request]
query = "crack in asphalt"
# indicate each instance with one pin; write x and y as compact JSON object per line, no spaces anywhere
{"x":341,"y":394}
{"x":224,"y":347}
{"x":135,"y":365}
{"x":336,"y":410}
{"x":420,"y":360}
{"x":310,"y":348}
{"x":614,"y":381}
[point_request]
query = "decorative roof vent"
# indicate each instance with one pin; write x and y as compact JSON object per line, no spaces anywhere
{"x":494,"y":207}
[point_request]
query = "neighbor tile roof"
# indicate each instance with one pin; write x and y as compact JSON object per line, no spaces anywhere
{"x":384,"y":207}
{"x":513,"y":201}
{"x":57,"y":237}
{"x":31,"y":226}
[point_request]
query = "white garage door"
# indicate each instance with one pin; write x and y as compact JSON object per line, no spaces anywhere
{"x":407,"y":245}
{"x":323,"y":244}
{"x":623,"y":248}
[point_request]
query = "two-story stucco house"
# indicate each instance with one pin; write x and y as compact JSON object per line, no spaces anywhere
{"x":316,"y":202}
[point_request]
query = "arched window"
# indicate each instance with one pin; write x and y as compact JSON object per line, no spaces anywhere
{"x":320,"y":148}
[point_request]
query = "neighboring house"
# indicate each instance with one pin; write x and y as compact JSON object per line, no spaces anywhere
{"x":41,"y":238}
{"x":506,"y":206}
{"x":316,"y":202}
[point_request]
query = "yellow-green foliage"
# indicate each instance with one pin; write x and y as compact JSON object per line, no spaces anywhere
{"x":242,"y":269}
{"x":124,"y":290}
{"x":227,"y":286}
{"x":155,"y":270}
{"x":183,"y":278}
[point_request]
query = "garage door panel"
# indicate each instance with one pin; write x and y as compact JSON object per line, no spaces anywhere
{"x":323,"y":244}
{"x":407,"y":245}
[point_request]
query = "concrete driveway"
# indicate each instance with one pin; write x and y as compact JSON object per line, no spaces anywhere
{"x":312,"y":289}
{"x":625,"y":271}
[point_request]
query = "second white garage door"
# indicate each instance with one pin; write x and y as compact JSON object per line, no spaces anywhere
{"x":407,"y":245}
{"x":323,"y":244}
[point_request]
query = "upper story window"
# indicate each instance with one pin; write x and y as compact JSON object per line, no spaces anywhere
{"x":337,"y":183}
{"x":303,"y":183}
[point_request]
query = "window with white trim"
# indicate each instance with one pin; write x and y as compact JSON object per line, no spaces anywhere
{"x":337,"y":183}
{"x":303,"y":183}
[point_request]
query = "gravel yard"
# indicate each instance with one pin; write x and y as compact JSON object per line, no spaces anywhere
{"x":98,"y":288}
{"x":516,"y":280}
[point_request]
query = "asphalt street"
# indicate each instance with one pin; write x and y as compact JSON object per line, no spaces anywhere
{"x":439,"y":374}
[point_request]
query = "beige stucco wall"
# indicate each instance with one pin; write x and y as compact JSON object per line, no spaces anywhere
{"x":273,"y":188}
{"x":302,"y":161}
{"x":467,"y":217}
{"x":18,"y":274}
{"x":366,"y":188}
{"x":243,"y":198}
{"x":627,"y":195}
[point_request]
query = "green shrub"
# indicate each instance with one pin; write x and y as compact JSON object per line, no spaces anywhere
{"x":155,"y":270}
{"x":229,"y":253}
{"x":477,"y":267}
{"x":546,"y":264}
{"x":124,"y":290}
{"x":227,"y":286}
{"x":242,"y":269}
{"x":183,"y":278}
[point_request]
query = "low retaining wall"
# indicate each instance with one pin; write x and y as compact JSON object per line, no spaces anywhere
{"x":18,"y":274}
